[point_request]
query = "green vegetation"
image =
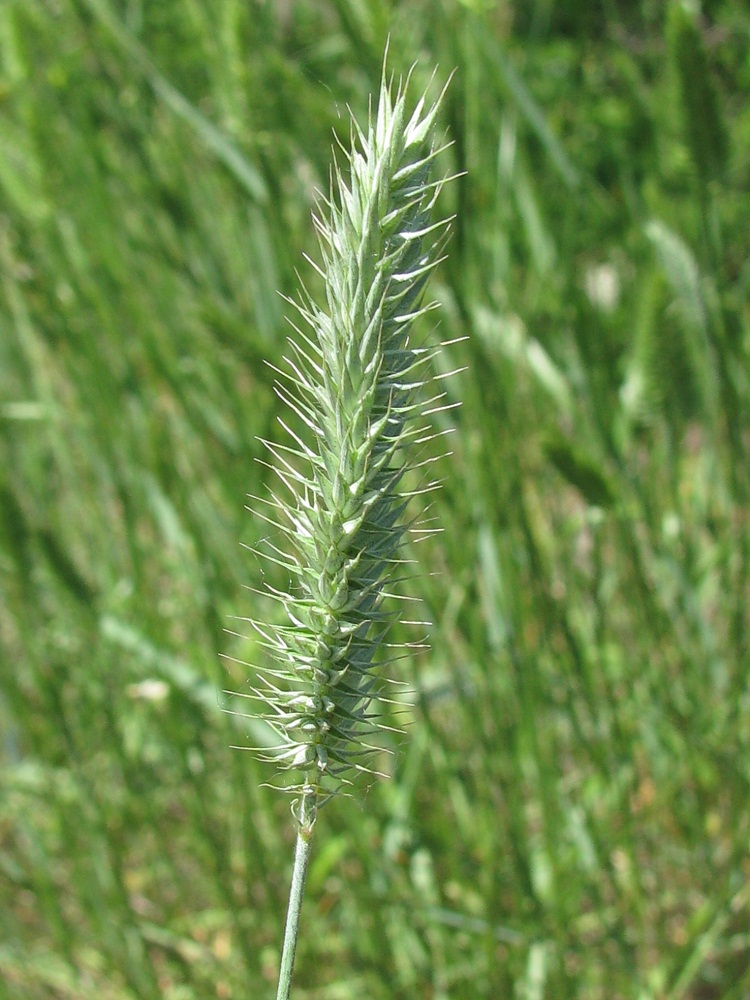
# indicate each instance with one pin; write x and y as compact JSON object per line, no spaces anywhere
{"x":567,"y":815}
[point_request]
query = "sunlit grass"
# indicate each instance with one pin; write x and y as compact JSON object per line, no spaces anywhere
{"x":567,"y":814}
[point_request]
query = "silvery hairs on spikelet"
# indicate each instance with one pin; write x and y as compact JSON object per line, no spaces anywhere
{"x":354,"y":381}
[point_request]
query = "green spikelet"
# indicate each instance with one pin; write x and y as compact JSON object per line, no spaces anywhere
{"x":680,"y":363}
{"x":704,"y":124}
{"x":355,"y":384}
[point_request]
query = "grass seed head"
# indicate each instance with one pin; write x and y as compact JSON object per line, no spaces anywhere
{"x":355,"y":384}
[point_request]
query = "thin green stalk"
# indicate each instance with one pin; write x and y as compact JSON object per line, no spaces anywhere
{"x":302,"y":851}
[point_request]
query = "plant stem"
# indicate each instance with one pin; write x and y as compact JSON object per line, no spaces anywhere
{"x":302,"y":851}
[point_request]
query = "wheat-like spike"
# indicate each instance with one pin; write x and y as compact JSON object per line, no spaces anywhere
{"x":354,"y":382}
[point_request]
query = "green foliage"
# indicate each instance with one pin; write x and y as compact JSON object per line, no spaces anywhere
{"x":580,"y":472}
{"x":567,"y":814}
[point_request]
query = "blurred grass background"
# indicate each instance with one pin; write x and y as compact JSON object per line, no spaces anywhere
{"x":568,"y":817}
